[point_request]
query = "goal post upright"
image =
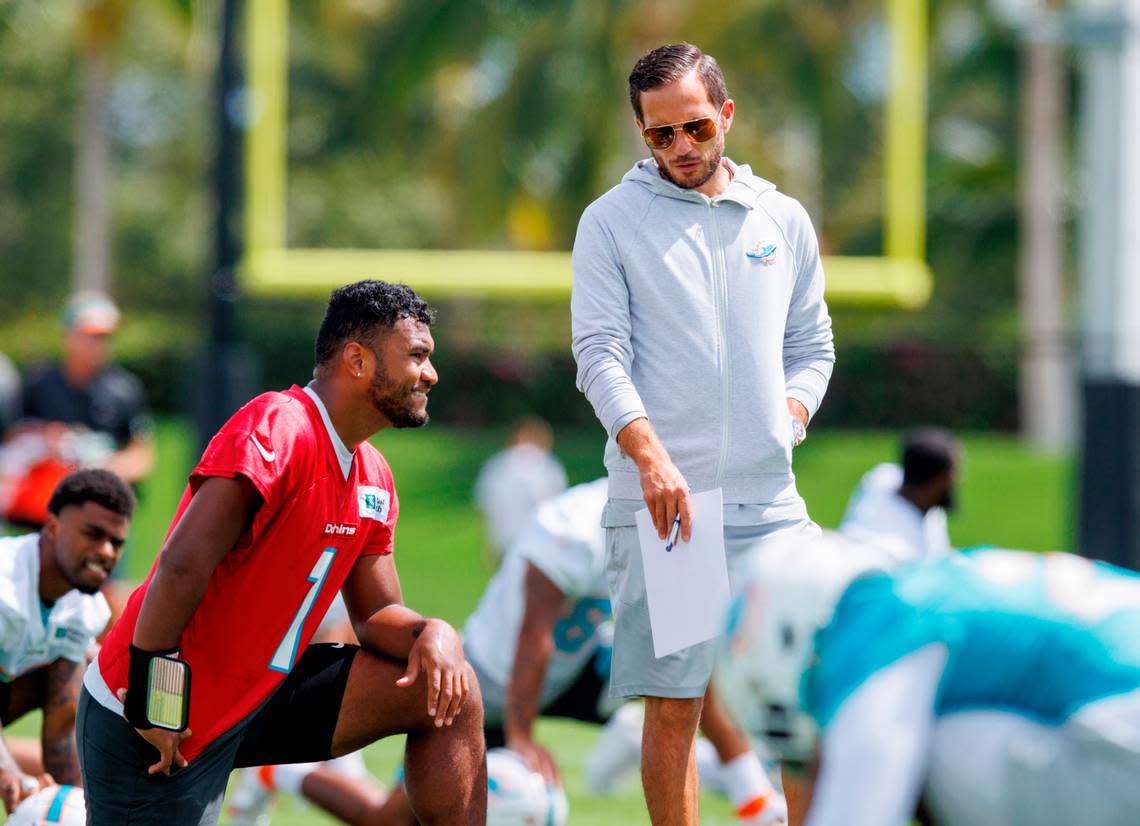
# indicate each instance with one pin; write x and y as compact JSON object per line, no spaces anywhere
{"x":898,"y":278}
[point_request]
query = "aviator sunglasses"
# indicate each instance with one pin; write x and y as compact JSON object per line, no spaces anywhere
{"x":697,"y":130}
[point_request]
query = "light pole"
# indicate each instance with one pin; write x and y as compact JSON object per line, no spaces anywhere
{"x":220,"y":379}
{"x":1109,"y":523}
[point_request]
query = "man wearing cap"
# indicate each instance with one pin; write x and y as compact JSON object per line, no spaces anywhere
{"x":95,"y":405}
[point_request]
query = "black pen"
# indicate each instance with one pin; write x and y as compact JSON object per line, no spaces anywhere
{"x":674,"y":533}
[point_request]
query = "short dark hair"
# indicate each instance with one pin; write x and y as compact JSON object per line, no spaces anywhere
{"x":667,"y":64}
{"x":928,"y":452}
{"x":102,"y":487}
{"x":358,"y":312}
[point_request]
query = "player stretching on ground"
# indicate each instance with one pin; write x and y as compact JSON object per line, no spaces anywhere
{"x":51,"y":611}
{"x":1002,"y":686}
{"x":288,"y":504}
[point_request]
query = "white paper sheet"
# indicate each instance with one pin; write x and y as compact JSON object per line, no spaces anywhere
{"x":687,"y":588}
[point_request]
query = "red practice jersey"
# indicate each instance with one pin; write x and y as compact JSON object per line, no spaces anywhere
{"x":266,"y":598}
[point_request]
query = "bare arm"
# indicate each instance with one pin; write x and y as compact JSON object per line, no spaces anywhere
{"x":375,"y":602}
{"x":665,"y":489}
{"x":14,"y":784}
{"x":134,"y":462}
{"x":64,"y":681}
{"x":8,"y":763}
{"x":212,"y":524}
{"x":384,"y":625}
{"x":875,"y":752}
{"x":543,"y":601}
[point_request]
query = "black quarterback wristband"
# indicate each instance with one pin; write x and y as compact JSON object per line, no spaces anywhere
{"x":158,"y":690}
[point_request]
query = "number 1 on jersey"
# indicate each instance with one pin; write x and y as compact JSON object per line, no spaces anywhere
{"x":286,"y":652}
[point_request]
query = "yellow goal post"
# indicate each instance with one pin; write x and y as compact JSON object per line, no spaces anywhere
{"x":898,"y":278}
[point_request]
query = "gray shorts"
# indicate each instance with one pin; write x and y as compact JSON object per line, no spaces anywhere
{"x":635,"y":671}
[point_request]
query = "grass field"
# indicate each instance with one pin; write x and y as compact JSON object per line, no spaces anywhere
{"x":1008,"y":496}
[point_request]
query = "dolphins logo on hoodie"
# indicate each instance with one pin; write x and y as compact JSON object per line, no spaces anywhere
{"x":764,"y":253}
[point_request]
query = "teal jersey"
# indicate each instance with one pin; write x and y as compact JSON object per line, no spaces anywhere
{"x":1039,"y":635}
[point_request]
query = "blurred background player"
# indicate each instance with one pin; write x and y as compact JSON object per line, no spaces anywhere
{"x":10,"y":404}
{"x":81,"y":411}
{"x":550,"y":598}
{"x":903,"y":507}
{"x":51,"y":806}
{"x":9,"y":393}
{"x":1001,"y":686}
{"x":513,"y":481}
{"x":539,"y":643}
{"x":51,"y":611}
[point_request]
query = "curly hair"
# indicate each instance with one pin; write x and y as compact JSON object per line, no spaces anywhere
{"x":93,"y":485}
{"x":364,"y":310}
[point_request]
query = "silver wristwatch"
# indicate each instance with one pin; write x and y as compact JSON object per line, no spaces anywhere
{"x":799,"y":432}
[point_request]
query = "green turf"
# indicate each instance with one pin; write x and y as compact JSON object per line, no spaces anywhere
{"x":1009,"y":496}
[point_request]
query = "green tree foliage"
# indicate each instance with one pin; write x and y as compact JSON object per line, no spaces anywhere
{"x":35,"y":152}
{"x":159,"y":124}
{"x":492,"y":123}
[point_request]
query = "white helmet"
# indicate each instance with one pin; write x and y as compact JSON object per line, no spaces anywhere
{"x":52,"y":806}
{"x":517,"y":796}
{"x":789,"y":591}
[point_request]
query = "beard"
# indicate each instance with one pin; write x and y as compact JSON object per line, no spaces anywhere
{"x":396,"y":402}
{"x":698,"y":177}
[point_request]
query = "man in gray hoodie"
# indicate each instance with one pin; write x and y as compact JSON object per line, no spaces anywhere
{"x":704,"y":344}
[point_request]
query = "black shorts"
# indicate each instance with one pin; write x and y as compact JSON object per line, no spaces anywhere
{"x":295,"y":725}
{"x":5,"y":703}
{"x":580,"y":701}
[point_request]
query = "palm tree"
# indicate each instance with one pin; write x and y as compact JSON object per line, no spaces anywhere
{"x":97,"y":26}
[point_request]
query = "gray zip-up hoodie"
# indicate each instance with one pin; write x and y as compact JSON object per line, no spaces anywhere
{"x":703,"y":315}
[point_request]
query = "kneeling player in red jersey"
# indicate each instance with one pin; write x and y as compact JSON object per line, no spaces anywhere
{"x":288,"y":505}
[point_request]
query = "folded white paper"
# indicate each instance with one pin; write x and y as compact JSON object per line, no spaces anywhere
{"x":687,"y":587}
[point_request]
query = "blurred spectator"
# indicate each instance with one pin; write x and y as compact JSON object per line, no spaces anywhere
{"x":903,"y":508}
{"x":82,"y":411}
{"x":513,"y":481}
{"x":9,"y":393}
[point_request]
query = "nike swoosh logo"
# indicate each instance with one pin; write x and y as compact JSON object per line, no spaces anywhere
{"x":267,"y":455}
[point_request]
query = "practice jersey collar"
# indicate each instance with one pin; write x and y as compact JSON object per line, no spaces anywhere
{"x":343,"y":454}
